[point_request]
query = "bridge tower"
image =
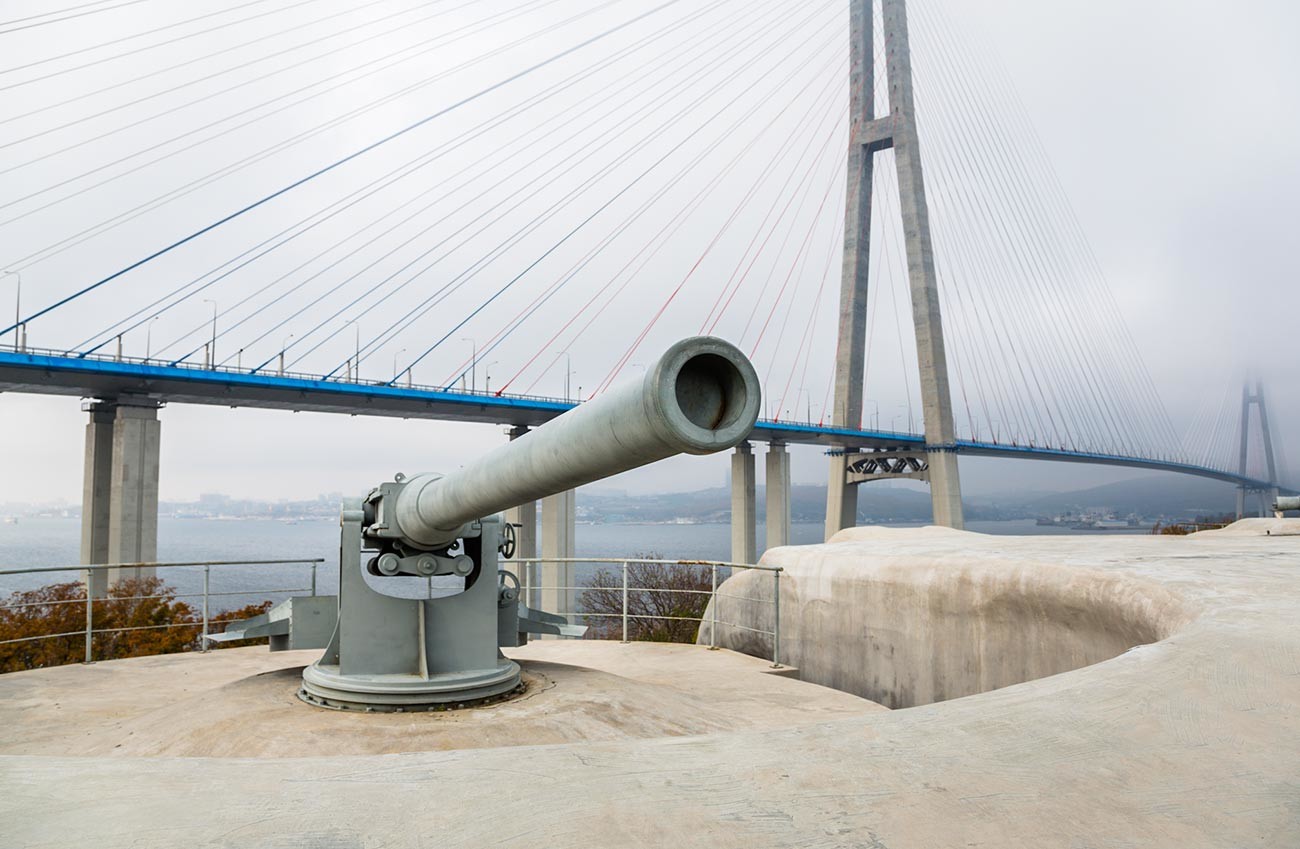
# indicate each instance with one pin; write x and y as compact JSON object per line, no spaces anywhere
{"x":1267,"y":495}
{"x":868,"y":136}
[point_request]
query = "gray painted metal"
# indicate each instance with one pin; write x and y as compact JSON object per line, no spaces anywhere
{"x":392,"y":653}
{"x":702,"y":396}
{"x":301,"y":622}
{"x":1285,"y":502}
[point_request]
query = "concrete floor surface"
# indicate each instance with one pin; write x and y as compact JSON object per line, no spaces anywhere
{"x":1191,"y":741}
{"x":242,"y":703}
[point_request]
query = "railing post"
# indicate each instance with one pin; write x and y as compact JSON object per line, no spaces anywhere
{"x":625,"y":601}
{"x":207,"y":572}
{"x":713,"y":596}
{"x":313,"y":578}
{"x":90,"y":619}
{"x":776,"y":619}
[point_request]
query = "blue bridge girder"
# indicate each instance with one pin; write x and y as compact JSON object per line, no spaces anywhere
{"x":60,"y":373}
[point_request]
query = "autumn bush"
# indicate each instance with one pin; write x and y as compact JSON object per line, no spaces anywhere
{"x":657,"y":617}
{"x":1202,"y":523}
{"x":138,"y":617}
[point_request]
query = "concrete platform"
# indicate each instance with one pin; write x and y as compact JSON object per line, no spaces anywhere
{"x":242,"y":703}
{"x":1190,"y":741}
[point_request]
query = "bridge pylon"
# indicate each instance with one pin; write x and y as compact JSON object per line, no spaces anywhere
{"x":868,"y":136}
{"x":1269,"y":494}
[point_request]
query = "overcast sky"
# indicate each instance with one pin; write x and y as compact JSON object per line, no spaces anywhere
{"x":1172,"y":127}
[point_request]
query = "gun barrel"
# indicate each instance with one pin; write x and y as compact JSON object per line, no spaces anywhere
{"x":700,"y":397}
{"x":1287,"y":502}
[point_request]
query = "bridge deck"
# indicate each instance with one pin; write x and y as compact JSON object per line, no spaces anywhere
{"x":57,"y":373}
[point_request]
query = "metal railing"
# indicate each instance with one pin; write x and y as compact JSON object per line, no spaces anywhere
{"x":529,"y":587}
{"x":88,"y":572}
{"x":239,"y":370}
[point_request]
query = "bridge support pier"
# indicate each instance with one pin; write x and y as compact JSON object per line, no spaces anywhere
{"x":778,"y":495}
{"x":841,"y":496}
{"x":119,"y":511}
{"x":744,"y":512}
{"x":558,"y":531}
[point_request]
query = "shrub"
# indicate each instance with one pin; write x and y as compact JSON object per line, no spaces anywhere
{"x":659,"y":617}
{"x":138,"y":617}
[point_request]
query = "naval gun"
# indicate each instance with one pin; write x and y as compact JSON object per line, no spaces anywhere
{"x":390,"y":653}
{"x":1283,"y":503}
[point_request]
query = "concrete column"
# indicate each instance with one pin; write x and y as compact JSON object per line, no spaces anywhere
{"x":744,"y":515}
{"x":96,"y":486}
{"x":525,"y":515}
{"x":133,"y":494}
{"x":841,"y":498}
{"x":558,"y":514}
{"x":1244,"y":432}
{"x":936,"y":399}
{"x":850,"y":354}
{"x":1270,"y":463}
{"x":778,"y":495}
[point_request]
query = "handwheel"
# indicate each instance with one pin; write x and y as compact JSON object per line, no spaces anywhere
{"x":507,"y":546}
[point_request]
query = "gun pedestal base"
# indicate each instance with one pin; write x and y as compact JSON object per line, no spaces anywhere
{"x":324,"y":686}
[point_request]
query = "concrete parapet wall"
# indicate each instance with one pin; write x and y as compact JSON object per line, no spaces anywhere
{"x":909,"y":629}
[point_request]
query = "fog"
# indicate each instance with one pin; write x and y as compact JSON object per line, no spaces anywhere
{"x":1172,"y":128}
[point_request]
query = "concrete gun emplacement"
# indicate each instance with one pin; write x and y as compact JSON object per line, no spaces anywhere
{"x":390,"y":652}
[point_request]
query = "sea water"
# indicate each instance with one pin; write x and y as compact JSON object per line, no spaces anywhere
{"x":34,"y":542}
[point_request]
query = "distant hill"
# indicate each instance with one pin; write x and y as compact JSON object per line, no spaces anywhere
{"x":1171,"y":496}
{"x":807,"y":503}
{"x":1163,"y":495}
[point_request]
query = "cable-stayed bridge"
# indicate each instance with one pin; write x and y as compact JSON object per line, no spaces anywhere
{"x":367,"y":208}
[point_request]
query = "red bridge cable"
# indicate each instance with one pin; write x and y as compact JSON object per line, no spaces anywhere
{"x":613,"y":374}
{"x":589,"y":218}
{"x":673,"y":223}
{"x":522,"y":168}
{"x":622,"y":159}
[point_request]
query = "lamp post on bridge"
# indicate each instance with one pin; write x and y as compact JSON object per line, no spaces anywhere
{"x":397,"y":374}
{"x":148,"y":336}
{"x":568,"y":372}
{"x":212,"y":346}
{"x":354,"y":367}
{"x":18,"y":308}
{"x":283,"y":347}
{"x":487,"y":376}
{"x":473,"y":362}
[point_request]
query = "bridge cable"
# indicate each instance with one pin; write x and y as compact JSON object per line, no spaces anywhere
{"x":302,"y":180}
{"x":530,"y":135}
{"x":245,"y":65}
{"x":391,"y":177}
{"x":673,"y":223}
{"x":65,"y":18}
{"x":147,"y":47}
{"x":429,"y":45}
{"x":639,"y":177}
{"x":420,"y":309}
{"x":648,"y":252}
{"x":511,"y":202}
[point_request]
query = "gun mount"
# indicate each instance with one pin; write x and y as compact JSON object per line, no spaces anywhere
{"x":393,"y":653}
